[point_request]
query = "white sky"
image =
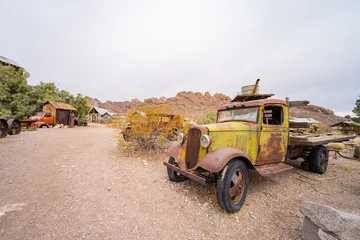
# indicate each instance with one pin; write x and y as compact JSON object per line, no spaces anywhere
{"x":119,"y":50}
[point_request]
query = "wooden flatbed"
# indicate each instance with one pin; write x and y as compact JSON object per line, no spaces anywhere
{"x":312,"y":141}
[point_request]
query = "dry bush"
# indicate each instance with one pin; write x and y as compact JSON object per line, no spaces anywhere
{"x":207,"y":118}
{"x":336,"y":146}
{"x":151,"y":129}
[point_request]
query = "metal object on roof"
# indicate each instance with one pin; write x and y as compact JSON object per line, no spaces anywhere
{"x":9,"y":61}
{"x":245,"y":98}
{"x":60,"y":105}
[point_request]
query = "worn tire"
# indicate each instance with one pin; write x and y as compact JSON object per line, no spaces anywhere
{"x":173,"y":175}
{"x":226,"y":186}
{"x":318,"y":159}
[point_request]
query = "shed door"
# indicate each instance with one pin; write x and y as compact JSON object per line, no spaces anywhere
{"x":273,"y":135}
{"x":62,"y":116}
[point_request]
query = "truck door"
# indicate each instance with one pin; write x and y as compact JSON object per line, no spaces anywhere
{"x":273,"y":136}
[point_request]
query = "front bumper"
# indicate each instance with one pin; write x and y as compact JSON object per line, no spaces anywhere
{"x":190,"y":175}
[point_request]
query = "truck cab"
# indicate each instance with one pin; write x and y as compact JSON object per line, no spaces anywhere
{"x":42,"y":119}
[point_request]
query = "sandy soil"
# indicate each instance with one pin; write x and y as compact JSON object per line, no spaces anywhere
{"x":73,"y":184}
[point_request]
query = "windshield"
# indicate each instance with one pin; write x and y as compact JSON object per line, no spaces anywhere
{"x":239,"y":114}
{"x":39,"y":114}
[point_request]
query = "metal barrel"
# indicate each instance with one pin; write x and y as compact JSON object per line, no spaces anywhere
{"x":3,"y":128}
{"x":14,"y":126}
{"x":248,"y":90}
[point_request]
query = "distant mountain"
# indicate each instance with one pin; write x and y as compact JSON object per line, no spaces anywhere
{"x":189,"y":104}
{"x":192,"y":105}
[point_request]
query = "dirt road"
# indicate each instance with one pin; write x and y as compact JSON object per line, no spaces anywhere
{"x":72,"y":184}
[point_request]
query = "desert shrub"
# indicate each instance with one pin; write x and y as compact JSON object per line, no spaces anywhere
{"x":207,"y":118}
{"x":150,"y":128}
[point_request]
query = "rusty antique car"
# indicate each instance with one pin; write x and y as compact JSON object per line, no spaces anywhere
{"x":42,"y":120}
{"x":247,"y":135}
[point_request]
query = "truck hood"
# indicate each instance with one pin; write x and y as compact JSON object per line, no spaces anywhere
{"x":231,"y":126}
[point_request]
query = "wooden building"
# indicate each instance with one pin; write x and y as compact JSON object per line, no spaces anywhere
{"x":59,"y":111}
{"x":347,"y":127}
{"x":96,"y":114}
{"x":106,"y":117}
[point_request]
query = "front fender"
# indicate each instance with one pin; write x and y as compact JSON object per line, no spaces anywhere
{"x":216,"y":160}
{"x":173,"y":150}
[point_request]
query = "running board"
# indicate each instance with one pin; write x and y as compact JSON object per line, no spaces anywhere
{"x":270,"y":169}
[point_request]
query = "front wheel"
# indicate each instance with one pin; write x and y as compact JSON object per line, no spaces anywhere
{"x":232,"y":186}
{"x":173,"y":175}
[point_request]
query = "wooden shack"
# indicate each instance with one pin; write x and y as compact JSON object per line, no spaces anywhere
{"x":59,"y":111}
{"x":96,"y":114}
{"x":347,"y":127}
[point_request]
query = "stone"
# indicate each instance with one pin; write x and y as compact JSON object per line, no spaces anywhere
{"x":339,"y":224}
{"x":310,"y":230}
{"x":326,"y":236}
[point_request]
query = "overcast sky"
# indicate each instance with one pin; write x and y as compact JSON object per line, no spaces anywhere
{"x":119,"y":50}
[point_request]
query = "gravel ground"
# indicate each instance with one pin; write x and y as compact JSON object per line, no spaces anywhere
{"x":73,"y":184}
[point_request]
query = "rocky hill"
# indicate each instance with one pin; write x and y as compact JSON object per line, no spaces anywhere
{"x":192,"y":105}
{"x":189,"y":104}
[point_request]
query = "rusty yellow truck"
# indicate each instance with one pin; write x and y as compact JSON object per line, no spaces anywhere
{"x":247,"y":135}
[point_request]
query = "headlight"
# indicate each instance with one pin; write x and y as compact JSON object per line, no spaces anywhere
{"x":181,"y":138}
{"x":205,"y":141}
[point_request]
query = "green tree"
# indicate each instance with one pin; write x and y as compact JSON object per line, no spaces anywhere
{"x":14,"y":92}
{"x":19,"y":100}
{"x":82,"y":107}
{"x":356,"y":110}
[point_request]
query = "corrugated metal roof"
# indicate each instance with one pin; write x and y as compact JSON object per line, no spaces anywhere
{"x":346,"y":123}
{"x":60,"y":105}
{"x":9,"y":61}
{"x":101,"y":111}
{"x":303,"y":120}
{"x":107,"y":114}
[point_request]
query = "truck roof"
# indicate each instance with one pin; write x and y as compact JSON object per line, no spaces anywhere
{"x":254,"y":103}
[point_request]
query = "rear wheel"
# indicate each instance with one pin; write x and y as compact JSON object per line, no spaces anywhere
{"x":232,"y":186}
{"x":3,"y":128}
{"x":318,"y":159}
{"x":173,"y":175}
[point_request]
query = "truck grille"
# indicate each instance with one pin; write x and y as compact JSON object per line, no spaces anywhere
{"x":192,"y":148}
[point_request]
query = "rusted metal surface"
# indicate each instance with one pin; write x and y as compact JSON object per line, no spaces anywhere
{"x":28,"y":123}
{"x":256,"y":87}
{"x":216,"y":160}
{"x":190,"y":175}
{"x":237,"y":186}
{"x":266,"y":170}
{"x":14,"y":126}
{"x":192,"y":148}
{"x":272,"y":148}
{"x":274,"y":134}
{"x":173,"y":150}
{"x":3,"y":128}
{"x":60,"y":105}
